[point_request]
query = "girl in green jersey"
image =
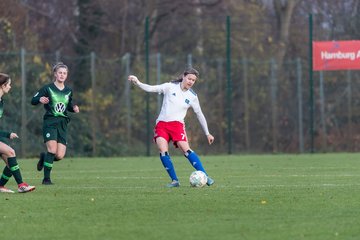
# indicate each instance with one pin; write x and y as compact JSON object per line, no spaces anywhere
{"x":57,"y":100}
{"x":8,"y":153}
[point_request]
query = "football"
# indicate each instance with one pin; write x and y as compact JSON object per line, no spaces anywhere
{"x":198,"y":179}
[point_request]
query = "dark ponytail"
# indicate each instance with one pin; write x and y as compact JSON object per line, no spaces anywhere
{"x":186,"y":72}
{"x":4,"y":79}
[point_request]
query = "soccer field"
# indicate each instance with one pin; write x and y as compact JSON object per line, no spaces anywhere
{"x":254,"y":197}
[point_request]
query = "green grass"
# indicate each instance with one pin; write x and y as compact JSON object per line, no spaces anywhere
{"x":254,"y":197}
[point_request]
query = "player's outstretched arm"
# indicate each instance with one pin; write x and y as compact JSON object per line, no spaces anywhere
{"x":134,"y":79}
{"x":143,"y":86}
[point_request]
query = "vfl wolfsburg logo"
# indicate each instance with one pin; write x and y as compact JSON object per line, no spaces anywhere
{"x":59,"y":102}
{"x":60,"y":107}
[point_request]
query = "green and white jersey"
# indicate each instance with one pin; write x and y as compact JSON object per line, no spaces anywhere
{"x":60,"y":101}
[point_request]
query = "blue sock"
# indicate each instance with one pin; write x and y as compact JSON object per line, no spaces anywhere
{"x":194,"y":160}
{"x":166,"y":161}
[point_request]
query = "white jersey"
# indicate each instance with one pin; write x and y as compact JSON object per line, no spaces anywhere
{"x":176,"y":102}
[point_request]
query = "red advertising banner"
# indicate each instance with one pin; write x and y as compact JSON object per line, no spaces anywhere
{"x":336,"y":55}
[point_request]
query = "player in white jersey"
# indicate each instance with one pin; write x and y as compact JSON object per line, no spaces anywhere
{"x":178,"y":98}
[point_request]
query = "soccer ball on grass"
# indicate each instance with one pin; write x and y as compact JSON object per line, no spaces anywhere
{"x":198,"y":179}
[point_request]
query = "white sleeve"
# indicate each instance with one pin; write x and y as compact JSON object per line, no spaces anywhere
{"x":200,"y":116}
{"x":203,"y":122}
{"x":153,"y":88}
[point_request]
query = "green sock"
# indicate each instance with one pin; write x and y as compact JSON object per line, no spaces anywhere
{"x":5,"y":176}
{"x":15,"y":169}
{"x":48,"y":164}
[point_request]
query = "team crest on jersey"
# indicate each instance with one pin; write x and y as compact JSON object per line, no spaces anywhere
{"x":174,"y":94}
{"x":60,"y":107}
{"x":187,"y":101}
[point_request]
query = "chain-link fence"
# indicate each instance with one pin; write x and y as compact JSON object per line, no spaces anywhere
{"x":268,"y":115}
{"x":269,"y":109}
